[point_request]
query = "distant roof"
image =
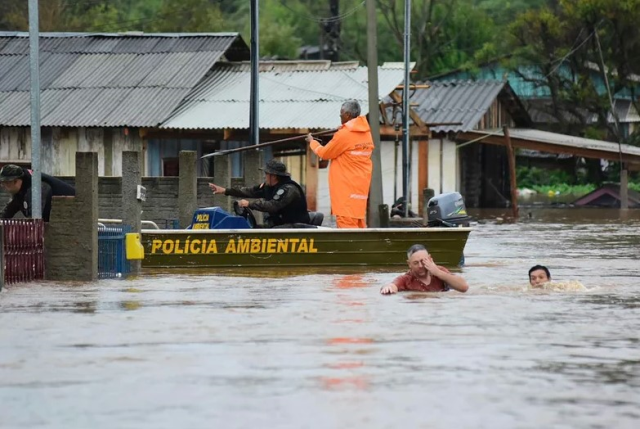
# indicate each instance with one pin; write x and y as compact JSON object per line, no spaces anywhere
{"x":465,"y":102}
{"x":108,"y":80}
{"x":608,"y":195}
{"x":293,"y":94}
{"x":557,"y":143}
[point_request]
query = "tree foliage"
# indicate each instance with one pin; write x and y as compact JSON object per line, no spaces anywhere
{"x":583,"y":51}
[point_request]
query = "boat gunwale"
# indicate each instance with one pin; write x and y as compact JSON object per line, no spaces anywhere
{"x":303,"y":230}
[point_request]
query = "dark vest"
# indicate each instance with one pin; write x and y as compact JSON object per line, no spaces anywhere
{"x":296,"y":212}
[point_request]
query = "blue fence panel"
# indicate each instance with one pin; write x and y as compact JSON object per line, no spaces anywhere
{"x":112,"y":255}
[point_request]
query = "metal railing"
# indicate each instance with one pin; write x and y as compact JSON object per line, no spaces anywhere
{"x":148,"y":223}
{"x":21,"y":250}
{"x":112,"y":254}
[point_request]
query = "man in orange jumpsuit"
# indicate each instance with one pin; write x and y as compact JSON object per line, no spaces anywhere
{"x":351,"y":167}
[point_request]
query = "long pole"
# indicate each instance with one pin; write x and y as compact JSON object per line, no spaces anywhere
{"x":254,"y":124}
{"x":375,"y":193}
{"x":405,"y":106}
{"x":512,"y":172}
{"x":34,"y":71}
{"x":624,"y":189}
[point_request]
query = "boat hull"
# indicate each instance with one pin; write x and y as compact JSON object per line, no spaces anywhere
{"x":298,"y":247}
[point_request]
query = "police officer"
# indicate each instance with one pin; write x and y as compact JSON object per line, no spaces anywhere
{"x":279,"y":196}
{"x":17,"y":181}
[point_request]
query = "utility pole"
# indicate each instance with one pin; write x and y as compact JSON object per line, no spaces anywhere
{"x":405,"y":107}
{"x":34,"y":71}
{"x":375,"y":193}
{"x":332,"y":29}
{"x":254,"y":96}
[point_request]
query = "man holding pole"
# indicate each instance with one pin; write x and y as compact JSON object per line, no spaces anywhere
{"x":351,"y":167}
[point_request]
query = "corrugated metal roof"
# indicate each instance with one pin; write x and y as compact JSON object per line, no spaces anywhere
{"x":291,"y":95}
{"x":458,"y":101}
{"x":107,"y":79}
{"x":564,"y":140}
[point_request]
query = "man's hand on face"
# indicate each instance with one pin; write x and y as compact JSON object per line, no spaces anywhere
{"x":243,"y":203}
{"x":430,"y":266}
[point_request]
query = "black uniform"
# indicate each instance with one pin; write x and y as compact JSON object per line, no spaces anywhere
{"x":285,"y":203}
{"x":21,"y":202}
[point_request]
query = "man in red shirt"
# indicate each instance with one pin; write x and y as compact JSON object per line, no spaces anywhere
{"x":424,"y":275}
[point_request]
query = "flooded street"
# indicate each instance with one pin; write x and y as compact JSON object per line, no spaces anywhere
{"x":281,"y":348}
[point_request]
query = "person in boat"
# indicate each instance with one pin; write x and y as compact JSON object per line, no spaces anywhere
{"x":350,"y":169}
{"x":539,"y":274}
{"x":424,"y":275}
{"x":279,"y":196}
{"x":16,"y":181}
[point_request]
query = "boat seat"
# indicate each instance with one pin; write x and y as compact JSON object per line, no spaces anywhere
{"x":316,"y":218}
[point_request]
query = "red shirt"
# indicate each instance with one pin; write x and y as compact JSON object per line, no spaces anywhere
{"x":409,"y":282}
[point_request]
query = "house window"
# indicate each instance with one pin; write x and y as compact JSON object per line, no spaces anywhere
{"x":170,"y":167}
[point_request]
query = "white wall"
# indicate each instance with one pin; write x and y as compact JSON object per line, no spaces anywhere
{"x":443,"y":166}
{"x":58,"y":155}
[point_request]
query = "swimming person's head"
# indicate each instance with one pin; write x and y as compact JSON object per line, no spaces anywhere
{"x":539,"y":274}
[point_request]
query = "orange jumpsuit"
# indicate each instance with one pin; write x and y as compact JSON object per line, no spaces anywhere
{"x":350,"y":171}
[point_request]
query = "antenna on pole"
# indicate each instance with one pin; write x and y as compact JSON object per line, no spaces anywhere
{"x":34,"y":71}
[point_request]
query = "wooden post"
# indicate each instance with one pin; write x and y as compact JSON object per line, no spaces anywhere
{"x":624,"y":187}
{"x":311,"y":180}
{"x":423,"y":170}
{"x":512,"y":173}
{"x":427,"y":194}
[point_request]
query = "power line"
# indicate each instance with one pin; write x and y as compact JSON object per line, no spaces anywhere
{"x":321,"y":20}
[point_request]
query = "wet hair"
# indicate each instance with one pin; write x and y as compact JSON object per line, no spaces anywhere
{"x":540,"y":267}
{"x":415,"y":248}
{"x":352,"y":107}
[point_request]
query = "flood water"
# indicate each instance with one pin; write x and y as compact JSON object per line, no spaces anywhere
{"x":296,"y":349}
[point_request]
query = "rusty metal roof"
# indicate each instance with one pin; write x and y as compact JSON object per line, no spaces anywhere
{"x":129,"y":79}
{"x":293,"y":94}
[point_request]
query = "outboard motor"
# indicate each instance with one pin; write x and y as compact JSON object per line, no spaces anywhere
{"x":447,"y":210}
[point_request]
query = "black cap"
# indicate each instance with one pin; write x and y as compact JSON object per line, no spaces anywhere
{"x":10,"y":172}
{"x":276,"y":168}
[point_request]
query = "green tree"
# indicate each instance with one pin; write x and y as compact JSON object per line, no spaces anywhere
{"x":574,"y":44}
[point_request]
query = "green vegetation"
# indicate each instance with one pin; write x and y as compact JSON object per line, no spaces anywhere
{"x":558,"y":181}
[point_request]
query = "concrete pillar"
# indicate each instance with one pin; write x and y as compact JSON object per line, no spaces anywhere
{"x":131,"y":206}
{"x":187,"y":186}
{"x":253,"y":175}
{"x":71,"y":238}
{"x":222,"y":177}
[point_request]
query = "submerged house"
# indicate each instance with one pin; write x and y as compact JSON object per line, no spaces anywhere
{"x":102,"y":92}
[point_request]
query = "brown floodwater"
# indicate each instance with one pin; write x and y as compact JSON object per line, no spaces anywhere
{"x":322,"y":349}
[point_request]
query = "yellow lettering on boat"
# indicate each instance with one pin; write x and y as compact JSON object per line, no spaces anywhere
{"x":293,"y":242}
{"x":167,"y":246}
{"x":156,"y":245}
{"x":282,"y":245}
{"x":213,"y":247}
{"x":243,"y":245}
{"x":200,"y":226}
